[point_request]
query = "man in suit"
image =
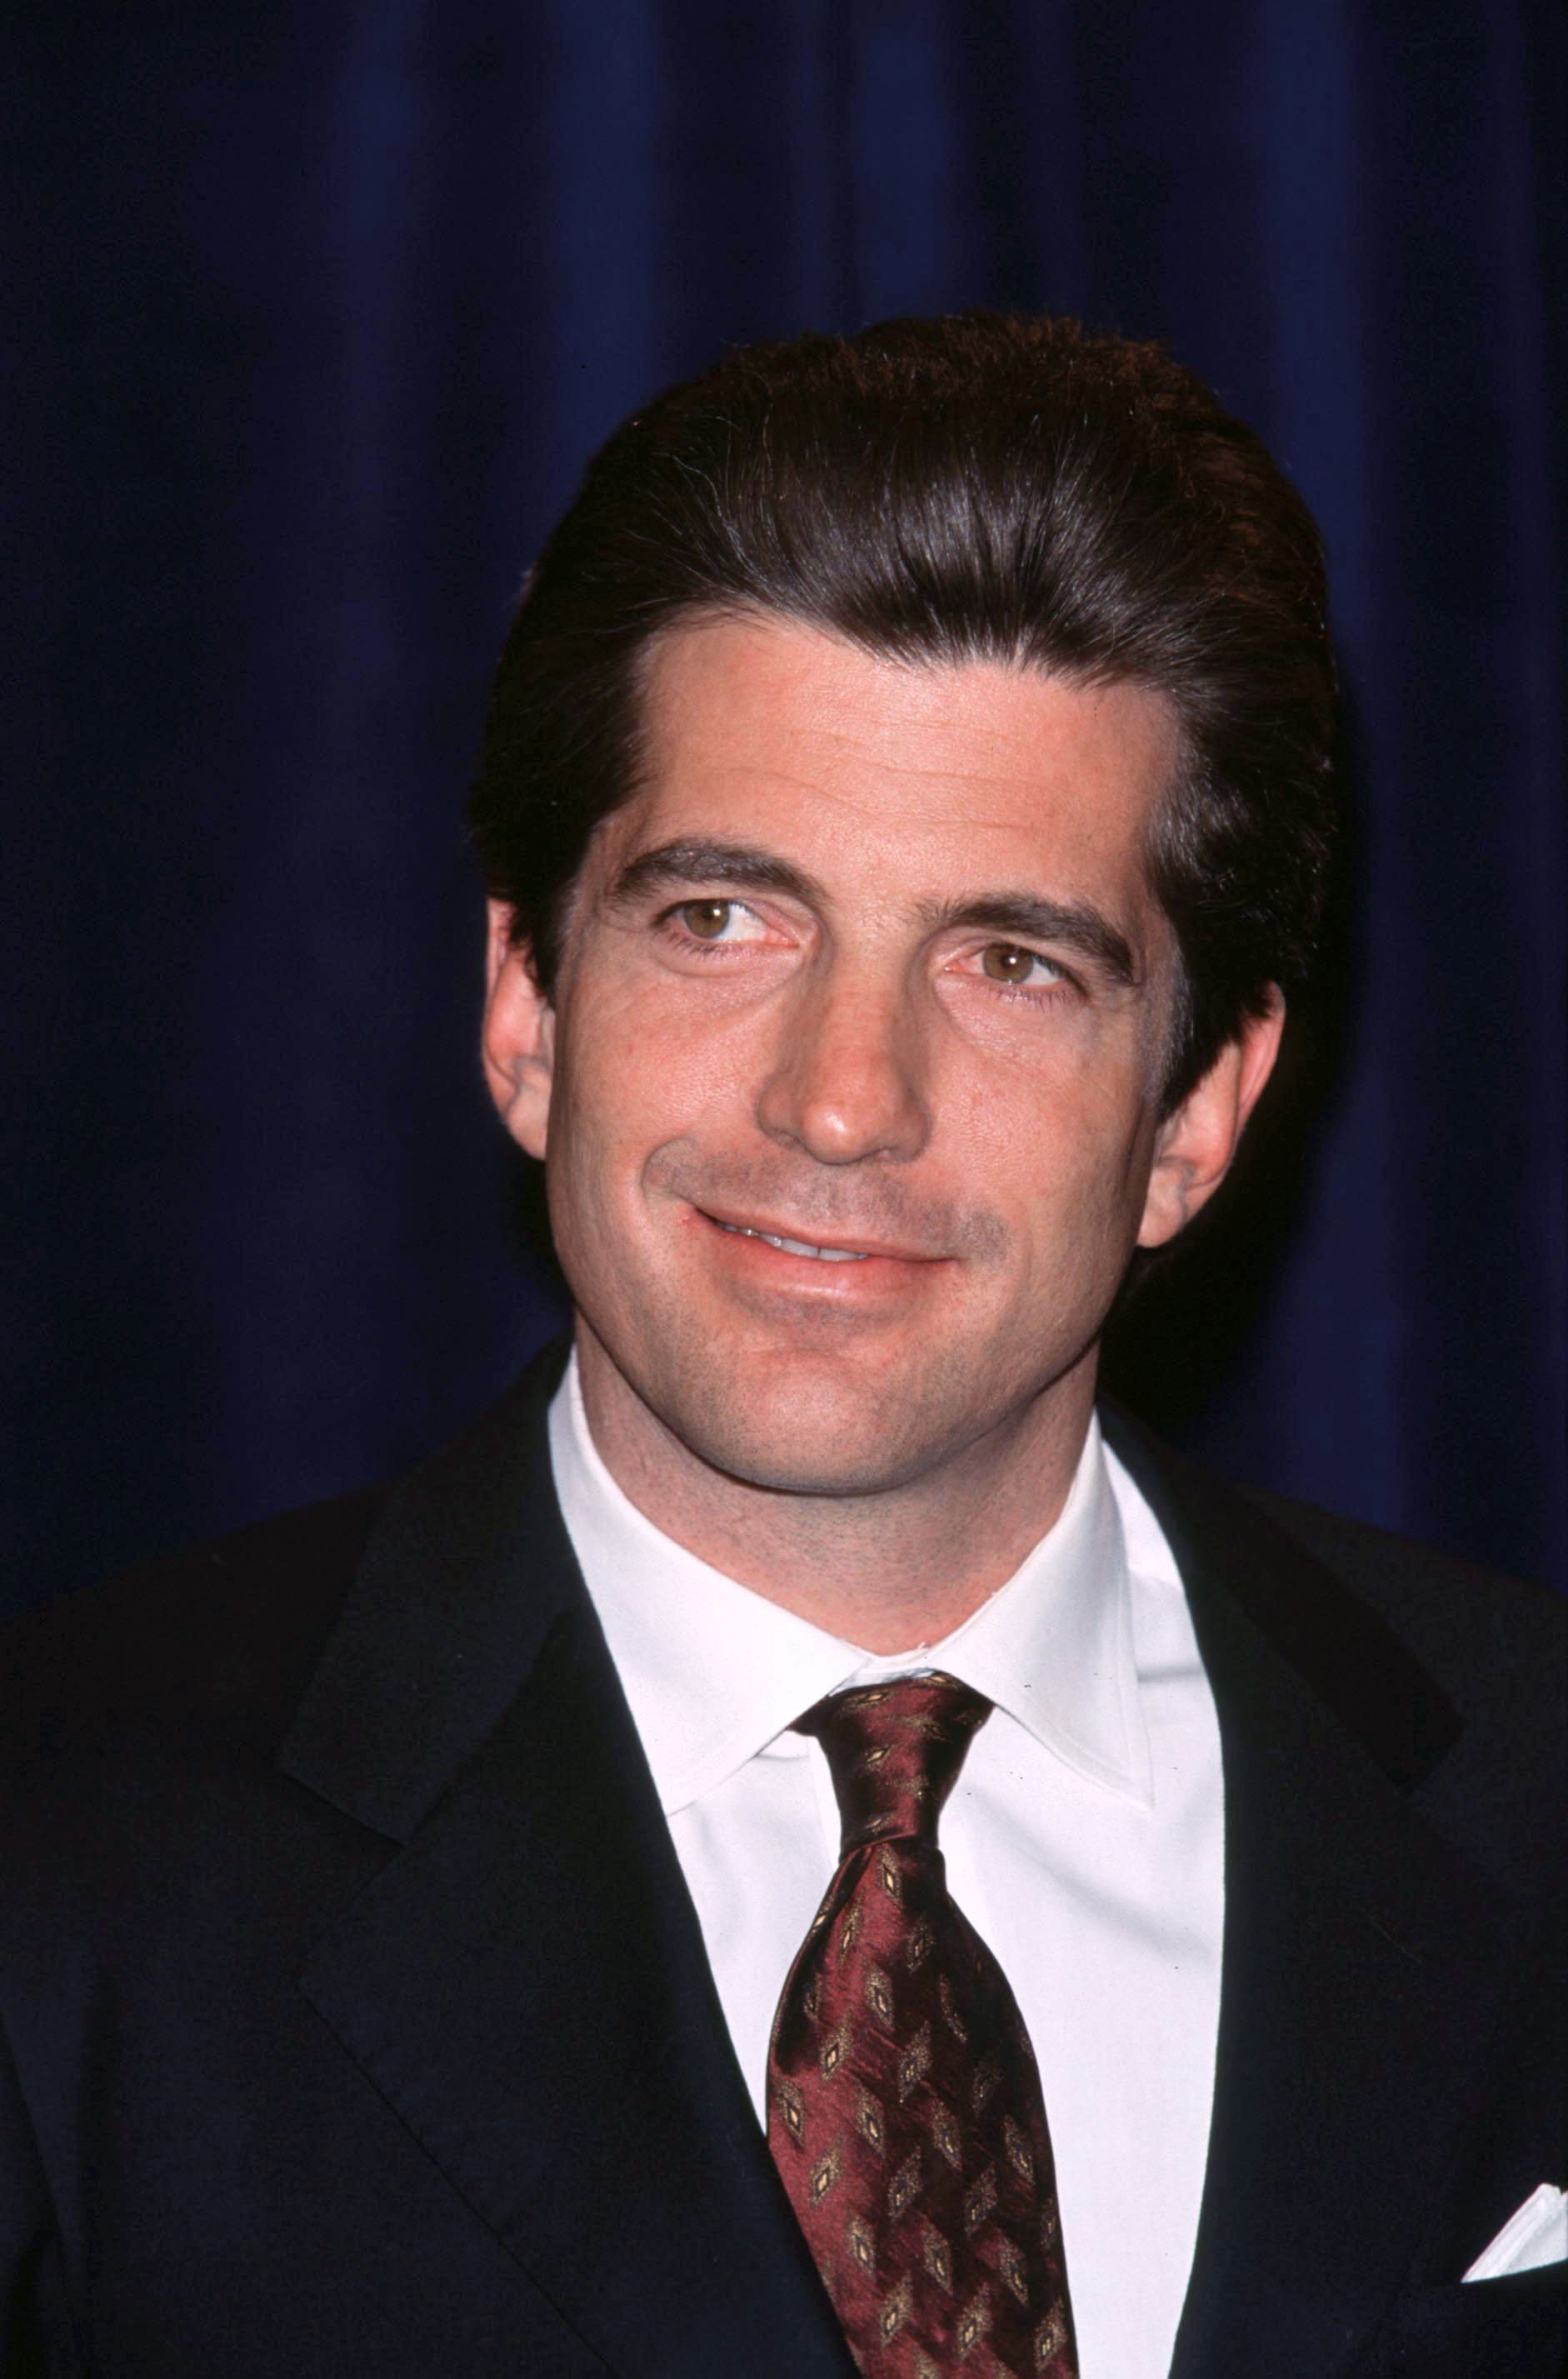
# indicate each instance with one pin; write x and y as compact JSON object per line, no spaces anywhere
{"x":796,"y":1845}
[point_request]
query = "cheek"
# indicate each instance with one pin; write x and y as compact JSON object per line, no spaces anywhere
{"x":1065,"y":1155}
{"x":1076,"y":1123}
{"x":630,"y":1076}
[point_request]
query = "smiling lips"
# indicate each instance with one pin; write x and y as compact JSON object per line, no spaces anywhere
{"x":795,"y":1246}
{"x":789,"y":1246}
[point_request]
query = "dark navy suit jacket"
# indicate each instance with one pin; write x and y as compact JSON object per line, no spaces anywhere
{"x":356,"y":2019}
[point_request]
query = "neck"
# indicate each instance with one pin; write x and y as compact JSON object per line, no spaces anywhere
{"x":889,"y":1571}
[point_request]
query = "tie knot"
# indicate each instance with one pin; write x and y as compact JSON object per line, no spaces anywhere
{"x":895,"y":1752}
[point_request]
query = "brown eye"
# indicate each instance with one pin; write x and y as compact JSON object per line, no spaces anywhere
{"x":705,"y":919}
{"x":1005,"y":962}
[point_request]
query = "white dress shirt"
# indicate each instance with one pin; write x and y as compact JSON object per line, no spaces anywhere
{"x":1083,"y":1840}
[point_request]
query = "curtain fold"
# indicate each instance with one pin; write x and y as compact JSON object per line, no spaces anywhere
{"x":315,"y":318}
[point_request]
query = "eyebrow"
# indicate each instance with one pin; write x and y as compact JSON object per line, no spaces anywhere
{"x":1071,"y":925}
{"x":702,"y":862}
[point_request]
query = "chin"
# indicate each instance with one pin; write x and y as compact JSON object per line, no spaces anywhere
{"x":826,"y":1438}
{"x":832,"y":1470}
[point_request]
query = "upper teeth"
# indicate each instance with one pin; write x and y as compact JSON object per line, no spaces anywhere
{"x":796,"y":1246}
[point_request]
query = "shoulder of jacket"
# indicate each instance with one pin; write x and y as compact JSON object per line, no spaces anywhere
{"x":224,"y":1632}
{"x":1447,"y":1608}
{"x":1497,"y":1648}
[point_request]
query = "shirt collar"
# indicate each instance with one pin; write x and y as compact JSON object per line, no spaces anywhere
{"x":715,"y":1673}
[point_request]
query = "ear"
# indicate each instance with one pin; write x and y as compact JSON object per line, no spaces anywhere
{"x":518,"y":1042}
{"x":1194,"y":1147}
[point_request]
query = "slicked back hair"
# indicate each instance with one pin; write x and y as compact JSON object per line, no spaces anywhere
{"x":977,"y":487}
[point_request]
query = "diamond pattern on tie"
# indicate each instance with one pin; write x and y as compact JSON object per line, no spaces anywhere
{"x":904,"y":2105}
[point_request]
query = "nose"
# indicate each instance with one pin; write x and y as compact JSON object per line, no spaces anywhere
{"x":847,"y":1081}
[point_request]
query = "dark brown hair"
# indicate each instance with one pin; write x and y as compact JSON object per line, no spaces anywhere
{"x":977,"y":487}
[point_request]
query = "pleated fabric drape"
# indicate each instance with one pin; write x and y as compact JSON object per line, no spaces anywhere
{"x":314,"y":315}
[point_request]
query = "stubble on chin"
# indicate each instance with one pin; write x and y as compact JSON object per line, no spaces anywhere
{"x":794,"y":1420}
{"x":695,"y":1390}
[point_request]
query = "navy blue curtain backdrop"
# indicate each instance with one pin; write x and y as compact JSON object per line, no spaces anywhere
{"x":314,"y":315}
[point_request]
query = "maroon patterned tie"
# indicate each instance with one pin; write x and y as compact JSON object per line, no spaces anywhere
{"x":904,"y":2105}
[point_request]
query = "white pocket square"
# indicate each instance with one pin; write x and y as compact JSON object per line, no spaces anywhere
{"x":1538,"y":2234}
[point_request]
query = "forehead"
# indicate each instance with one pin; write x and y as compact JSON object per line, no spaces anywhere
{"x":776,"y":733}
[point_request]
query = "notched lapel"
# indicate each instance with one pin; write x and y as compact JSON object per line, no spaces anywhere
{"x":526,"y":1986}
{"x":1367,"y":1965}
{"x":524,"y":1983}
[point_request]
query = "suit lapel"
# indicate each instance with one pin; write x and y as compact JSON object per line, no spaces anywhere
{"x":525,"y":1982}
{"x":1365,"y":1963}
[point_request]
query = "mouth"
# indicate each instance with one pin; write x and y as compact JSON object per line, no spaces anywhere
{"x":795,"y":1246}
{"x":855,"y":1248}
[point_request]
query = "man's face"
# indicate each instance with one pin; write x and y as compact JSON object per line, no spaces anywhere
{"x":868,"y":966}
